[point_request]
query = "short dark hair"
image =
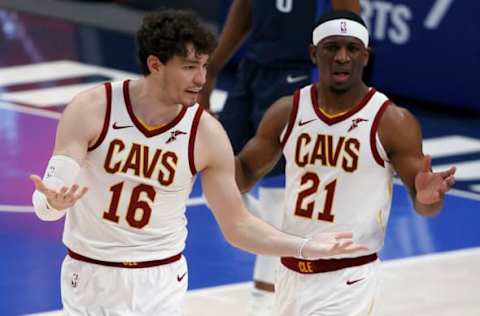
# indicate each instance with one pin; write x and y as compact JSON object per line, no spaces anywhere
{"x":166,"y":33}
{"x":339,"y":14}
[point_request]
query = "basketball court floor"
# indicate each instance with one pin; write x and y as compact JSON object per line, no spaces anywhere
{"x":431,"y":266}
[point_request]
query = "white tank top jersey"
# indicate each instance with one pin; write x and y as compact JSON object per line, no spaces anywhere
{"x":139,"y":181}
{"x":338,"y":177}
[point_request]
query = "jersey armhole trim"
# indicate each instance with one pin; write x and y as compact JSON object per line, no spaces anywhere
{"x":106,"y":121}
{"x":373,"y":133}
{"x":191,"y":140}
{"x":292,"y":119}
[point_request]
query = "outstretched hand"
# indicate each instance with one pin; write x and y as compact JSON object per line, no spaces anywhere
{"x":64,"y":197}
{"x":430,"y":186}
{"x":331,"y":244}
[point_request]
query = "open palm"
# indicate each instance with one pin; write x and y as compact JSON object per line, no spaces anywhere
{"x":328,"y":244}
{"x":430,"y":186}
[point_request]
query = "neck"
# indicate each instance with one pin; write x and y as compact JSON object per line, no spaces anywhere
{"x":334,"y":102}
{"x":149,"y":104}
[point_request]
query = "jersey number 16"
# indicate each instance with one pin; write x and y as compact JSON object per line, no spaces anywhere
{"x":134,"y":206}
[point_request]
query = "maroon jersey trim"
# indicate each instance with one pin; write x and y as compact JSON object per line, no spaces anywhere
{"x":336,"y":119}
{"x":125,"y":264}
{"x":106,"y":122}
{"x":373,"y":132}
{"x":325,"y":265}
{"x":292,"y":119}
{"x":191,"y":140}
{"x":139,"y":125}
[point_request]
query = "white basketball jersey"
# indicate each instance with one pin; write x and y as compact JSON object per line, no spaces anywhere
{"x":139,"y":181}
{"x":337,"y":174}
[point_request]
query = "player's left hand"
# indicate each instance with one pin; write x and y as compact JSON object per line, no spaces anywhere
{"x":328,"y":244}
{"x":430,"y":186}
{"x":61,"y":198}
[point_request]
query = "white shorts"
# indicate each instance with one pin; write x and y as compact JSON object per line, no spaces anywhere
{"x":347,"y":292}
{"x":92,"y":289}
{"x":270,"y":209}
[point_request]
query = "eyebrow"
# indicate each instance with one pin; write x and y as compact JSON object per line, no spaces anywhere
{"x":337,"y":40}
{"x":190,"y":60}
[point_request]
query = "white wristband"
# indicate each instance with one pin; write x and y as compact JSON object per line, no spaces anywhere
{"x":43,"y":210}
{"x":300,"y":248}
{"x":61,"y":171}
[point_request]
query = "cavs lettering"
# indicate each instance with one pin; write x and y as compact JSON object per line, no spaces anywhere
{"x":141,"y":161}
{"x":328,"y":151}
{"x":139,"y":181}
{"x":327,"y":160}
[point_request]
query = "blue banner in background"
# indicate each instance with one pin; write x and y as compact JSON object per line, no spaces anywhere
{"x":428,"y":50}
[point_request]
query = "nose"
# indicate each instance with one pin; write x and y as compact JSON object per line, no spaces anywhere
{"x":342,"y":55}
{"x":200,"y":77}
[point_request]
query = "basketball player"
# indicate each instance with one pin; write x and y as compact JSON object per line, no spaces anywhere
{"x":137,"y":145}
{"x":342,"y":141}
{"x":276,"y":63}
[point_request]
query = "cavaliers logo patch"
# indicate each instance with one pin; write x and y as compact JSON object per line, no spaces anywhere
{"x":174,"y":134}
{"x":355,"y":123}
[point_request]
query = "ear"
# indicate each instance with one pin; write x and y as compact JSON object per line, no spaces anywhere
{"x":313,"y":53}
{"x":154,"y":64}
{"x":366,"y":56}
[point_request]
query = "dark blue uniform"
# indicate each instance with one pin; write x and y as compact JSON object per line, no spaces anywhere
{"x":275,"y":64}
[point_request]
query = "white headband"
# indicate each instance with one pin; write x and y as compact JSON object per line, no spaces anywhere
{"x":340,"y":27}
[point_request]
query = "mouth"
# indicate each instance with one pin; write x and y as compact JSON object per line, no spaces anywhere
{"x":194,"y":92}
{"x":340,"y":76}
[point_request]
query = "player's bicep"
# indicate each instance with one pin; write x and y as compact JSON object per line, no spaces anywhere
{"x":401,"y":136}
{"x":80,"y":124}
{"x":259,"y":156}
{"x":216,"y":162}
{"x":262,"y":152}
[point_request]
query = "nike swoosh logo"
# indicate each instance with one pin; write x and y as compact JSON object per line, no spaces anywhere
{"x":180,"y":277}
{"x":115,"y":126}
{"x":305,"y":122}
{"x":291,"y":79}
{"x":354,"y":281}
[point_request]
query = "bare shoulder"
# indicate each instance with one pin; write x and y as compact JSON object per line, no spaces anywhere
{"x":398,"y":128}
{"x":91,"y":102}
{"x":211,"y":143}
{"x":281,"y":109}
{"x":84,"y":116}
{"x":211,"y":133}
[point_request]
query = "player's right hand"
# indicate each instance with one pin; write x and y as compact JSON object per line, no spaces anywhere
{"x":330,"y":244}
{"x":64,"y":197}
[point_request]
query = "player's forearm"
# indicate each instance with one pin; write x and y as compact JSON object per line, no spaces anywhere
{"x":234,"y":33}
{"x":243,"y":177}
{"x":254,"y":235}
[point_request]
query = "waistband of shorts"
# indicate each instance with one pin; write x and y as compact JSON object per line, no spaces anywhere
{"x":325,"y":265}
{"x":126,"y":264}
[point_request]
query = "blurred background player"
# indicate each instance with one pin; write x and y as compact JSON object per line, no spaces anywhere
{"x":276,"y":63}
{"x":342,"y":141}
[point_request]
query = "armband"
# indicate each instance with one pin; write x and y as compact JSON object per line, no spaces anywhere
{"x":61,"y":171}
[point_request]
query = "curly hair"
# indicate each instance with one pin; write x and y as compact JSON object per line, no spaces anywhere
{"x":166,"y":33}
